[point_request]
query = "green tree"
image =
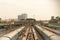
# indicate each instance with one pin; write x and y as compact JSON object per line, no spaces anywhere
{"x":52,"y":17}
{"x":0,"y":20}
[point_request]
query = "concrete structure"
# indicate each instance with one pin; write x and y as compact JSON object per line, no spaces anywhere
{"x":23,"y":16}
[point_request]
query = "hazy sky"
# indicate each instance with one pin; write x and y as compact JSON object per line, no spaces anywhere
{"x":38,"y":9}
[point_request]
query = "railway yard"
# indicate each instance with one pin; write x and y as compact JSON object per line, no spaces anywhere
{"x":31,"y":33}
{"x":29,"y":19}
{"x":4,"y":31}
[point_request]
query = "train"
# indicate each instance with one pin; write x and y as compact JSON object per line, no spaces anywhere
{"x":6,"y":26}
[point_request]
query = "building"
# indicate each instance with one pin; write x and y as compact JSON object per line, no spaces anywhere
{"x":22,"y":16}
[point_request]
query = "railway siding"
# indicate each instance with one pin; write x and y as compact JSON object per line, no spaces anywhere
{"x":51,"y":35}
{"x":12,"y":35}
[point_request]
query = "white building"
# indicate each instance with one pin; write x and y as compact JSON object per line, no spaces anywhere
{"x":23,"y":16}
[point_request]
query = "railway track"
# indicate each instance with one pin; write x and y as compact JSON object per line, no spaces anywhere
{"x":30,"y":34}
{"x":4,"y":31}
{"x":36,"y":35}
{"x":52,"y":30}
{"x":51,"y":35}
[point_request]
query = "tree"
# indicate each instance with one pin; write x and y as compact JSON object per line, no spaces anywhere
{"x":52,"y":17}
{"x":0,"y":20}
{"x":30,"y":19}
